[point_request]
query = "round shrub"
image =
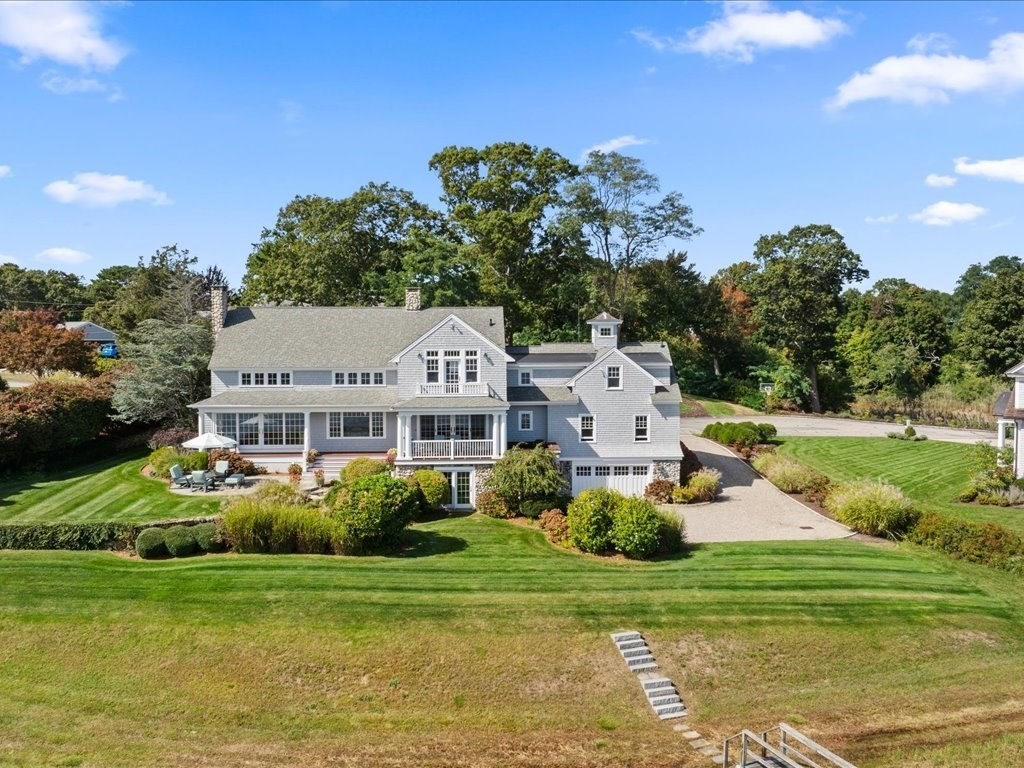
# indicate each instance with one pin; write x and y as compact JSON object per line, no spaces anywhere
{"x":374,"y":511}
{"x":659,"y":491}
{"x":490,"y":503}
{"x":237,"y":463}
{"x":671,"y":533}
{"x":874,"y":508}
{"x":150,"y":543}
{"x":591,"y":515}
{"x":555,"y":524}
{"x":533,"y":508}
{"x":363,"y":467}
{"x":194,"y":462}
{"x":208,"y":537}
{"x":180,"y":541}
{"x":431,"y":490}
{"x":635,"y":528}
{"x":704,"y":485}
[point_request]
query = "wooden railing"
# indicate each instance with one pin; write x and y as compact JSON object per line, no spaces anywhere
{"x":792,"y":750}
{"x":452,"y":449}
{"x":430,"y":390}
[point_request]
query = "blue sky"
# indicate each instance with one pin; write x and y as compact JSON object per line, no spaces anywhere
{"x":130,"y":126}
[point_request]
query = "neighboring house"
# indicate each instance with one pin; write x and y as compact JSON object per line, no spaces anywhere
{"x":94,"y":334}
{"x":440,"y":387}
{"x":1009,"y":413}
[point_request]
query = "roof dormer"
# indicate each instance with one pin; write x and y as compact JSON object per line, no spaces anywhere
{"x":604,"y":330}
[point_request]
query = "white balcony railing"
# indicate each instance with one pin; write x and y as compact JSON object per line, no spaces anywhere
{"x":453,"y":389}
{"x":452,"y":449}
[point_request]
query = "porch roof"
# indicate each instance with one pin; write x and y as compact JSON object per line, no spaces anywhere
{"x":459,"y":403}
{"x":328,"y":397}
{"x":538,"y":394}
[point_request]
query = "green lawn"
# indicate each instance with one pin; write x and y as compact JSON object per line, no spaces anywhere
{"x":483,"y":645}
{"x":932,"y":473}
{"x":717,"y":407}
{"x":111,"y":489}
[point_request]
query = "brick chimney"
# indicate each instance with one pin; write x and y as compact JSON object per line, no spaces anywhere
{"x":218,"y":309}
{"x":412,"y":299}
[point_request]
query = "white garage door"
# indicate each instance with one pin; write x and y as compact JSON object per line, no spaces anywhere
{"x":629,"y":479}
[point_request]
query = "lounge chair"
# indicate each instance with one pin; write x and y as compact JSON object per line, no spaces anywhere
{"x":220,"y":470}
{"x":200,"y":481}
{"x":178,"y":477}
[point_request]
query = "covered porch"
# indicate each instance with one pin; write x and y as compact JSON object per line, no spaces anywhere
{"x":451,"y":435}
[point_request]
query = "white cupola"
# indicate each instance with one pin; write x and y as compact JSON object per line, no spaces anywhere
{"x":604,"y":330}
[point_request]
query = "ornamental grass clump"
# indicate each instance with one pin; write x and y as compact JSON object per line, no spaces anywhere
{"x":874,"y":508}
{"x":786,"y":474}
{"x":704,"y":485}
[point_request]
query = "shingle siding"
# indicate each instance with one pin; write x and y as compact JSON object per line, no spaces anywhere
{"x":412,"y":367}
{"x":312,"y":378}
{"x":540,"y":424}
{"x":222,"y":380}
{"x":318,"y":437}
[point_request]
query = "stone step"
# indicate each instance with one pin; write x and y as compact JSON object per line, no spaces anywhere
{"x":660,"y":700}
{"x":647,"y":666}
{"x":625,"y":645}
{"x":672,"y":715}
{"x":618,"y":637}
{"x":632,"y":653}
{"x":636,"y":661}
{"x":669,"y":709}
{"x":655,"y":683}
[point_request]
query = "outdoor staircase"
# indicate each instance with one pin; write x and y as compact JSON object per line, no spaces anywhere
{"x":330,"y":463}
{"x":661,"y":693}
{"x":780,"y":747}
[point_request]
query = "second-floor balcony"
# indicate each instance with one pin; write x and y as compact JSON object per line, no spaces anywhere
{"x":449,"y":390}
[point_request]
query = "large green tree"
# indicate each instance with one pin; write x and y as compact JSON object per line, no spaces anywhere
{"x":324,"y":251}
{"x":797,"y":294}
{"x":617,"y":202}
{"x":505,"y":200}
{"x":990,"y":333}
{"x":37,"y":289}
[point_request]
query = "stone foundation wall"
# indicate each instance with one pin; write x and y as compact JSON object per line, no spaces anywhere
{"x":483,"y":474}
{"x":667,"y":470}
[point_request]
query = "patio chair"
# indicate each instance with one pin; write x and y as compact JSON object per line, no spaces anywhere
{"x":178,"y":477}
{"x":200,"y":481}
{"x":220,"y":470}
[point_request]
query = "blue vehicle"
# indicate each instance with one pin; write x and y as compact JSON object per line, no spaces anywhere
{"x":109,"y":350}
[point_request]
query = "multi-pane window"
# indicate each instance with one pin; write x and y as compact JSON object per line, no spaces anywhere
{"x":249,"y":429}
{"x":355,"y":424}
{"x":525,"y":378}
{"x":294,"y":429}
{"x":273,"y":429}
{"x":472,"y":366}
{"x":641,"y":434}
{"x":639,"y":471}
{"x":604,"y":330}
{"x":621,"y":471}
{"x":583,"y":471}
{"x":526,"y":421}
{"x":265,"y":378}
{"x":602,"y":471}
{"x":433,"y":366}
{"x":359,"y":378}
{"x":587,"y":429}
{"x":226,"y":424}
{"x":614,"y":377}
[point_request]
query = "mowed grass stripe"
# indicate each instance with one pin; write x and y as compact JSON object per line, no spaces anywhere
{"x":932,"y":473}
{"x":110,"y":489}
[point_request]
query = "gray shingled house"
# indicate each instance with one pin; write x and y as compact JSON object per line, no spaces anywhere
{"x":1009,"y":413}
{"x":439,"y":386}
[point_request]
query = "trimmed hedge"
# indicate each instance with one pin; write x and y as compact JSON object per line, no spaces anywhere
{"x":150,"y":544}
{"x":742,"y":435}
{"x":363,"y":467}
{"x":373,"y":512}
{"x":208,"y":537}
{"x":985,"y":543}
{"x":74,"y":536}
{"x":180,"y":541}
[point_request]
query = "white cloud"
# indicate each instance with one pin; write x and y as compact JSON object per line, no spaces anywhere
{"x":5,"y":259}
{"x":614,"y":145}
{"x":1011,"y":169}
{"x":100,"y":189}
{"x":938,"y":180}
{"x":747,"y":28}
{"x":65,"y":32}
{"x":63,"y":255}
{"x":5,"y":171}
{"x":62,"y":85}
{"x":944,"y":213}
{"x":921,"y":78}
{"x":888,"y":218}
{"x":933,"y":42}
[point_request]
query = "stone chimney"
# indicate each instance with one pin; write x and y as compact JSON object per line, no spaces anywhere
{"x":412,"y":299}
{"x":218,"y":309}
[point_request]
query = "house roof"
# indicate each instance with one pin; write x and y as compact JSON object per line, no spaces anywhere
{"x":604,"y":317}
{"x":285,"y":397}
{"x":335,"y":337}
{"x":668,"y":394}
{"x":94,"y":333}
{"x":536,"y":394}
{"x":1004,"y":407}
{"x":570,"y":354}
{"x":458,"y":403}
{"x":1017,"y":370}
{"x":610,"y":353}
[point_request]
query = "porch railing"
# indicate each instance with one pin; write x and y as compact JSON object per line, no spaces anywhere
{"x":452,"y":449}
{"x":453,"y":389}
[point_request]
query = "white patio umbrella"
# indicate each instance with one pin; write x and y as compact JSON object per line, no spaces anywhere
{"x":208,"y":441}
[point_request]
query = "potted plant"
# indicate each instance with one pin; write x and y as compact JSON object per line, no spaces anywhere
{"x":392,"y":455}
{"x":295,"y":473}
{"x":318,"y":476}
{"x":311,"y":456}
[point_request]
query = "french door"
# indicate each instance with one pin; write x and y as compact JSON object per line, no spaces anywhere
{"x":460,"y":487}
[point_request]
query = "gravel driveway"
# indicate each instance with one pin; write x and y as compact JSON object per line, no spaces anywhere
{"x":750,"y":508}
{"x":820,"y":426}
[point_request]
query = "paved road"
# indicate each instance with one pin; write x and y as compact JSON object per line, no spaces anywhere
{"x":750,"y":508}
{"x":819,"y":426}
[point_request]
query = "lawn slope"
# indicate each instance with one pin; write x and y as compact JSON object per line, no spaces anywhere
{"x":482,"y":645}
{"x":111,"y":489}
{"x":932,"y":473}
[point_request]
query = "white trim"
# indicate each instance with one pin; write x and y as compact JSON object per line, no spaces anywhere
{"x":1017,"y":370}
{"x":253,"y":371}
{"x":521,"y":427}
{"x":605,"y":356}
{"x":608,"y":377}
{"x":450,"y":318}
{"x":579,"y":428}
{"x":371,"y":436}
{"x":647,"y":427}
{"x":528,"y":372}
{"x":358,"y":372}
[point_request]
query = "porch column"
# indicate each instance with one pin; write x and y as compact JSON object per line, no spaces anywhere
{"x":408,"y":435}
{"x":502,"y":434}
{"x":305,"y":437}
{"x":199,"y":423}
{"x":495,"y":448}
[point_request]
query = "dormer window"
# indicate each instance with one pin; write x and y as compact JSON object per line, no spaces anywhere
{"x":525,"y":378}
{"x":605,"y":331}
{"x":265,"y":378}
{"x":613,"y":377}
